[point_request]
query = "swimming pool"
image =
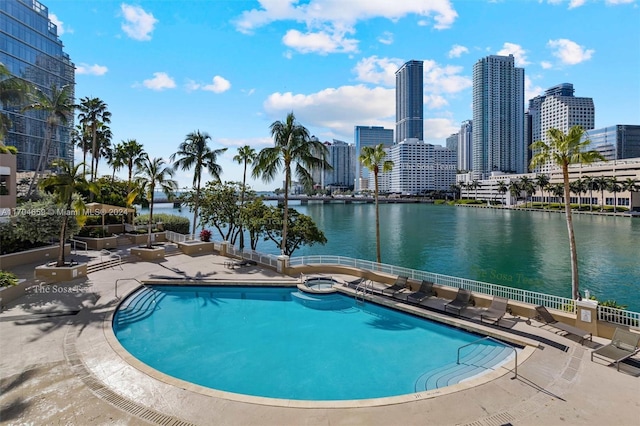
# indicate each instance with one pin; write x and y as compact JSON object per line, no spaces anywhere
{"x":279,"y":343}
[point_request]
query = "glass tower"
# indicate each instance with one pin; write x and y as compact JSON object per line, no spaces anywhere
{"x":31,"y":50}
{"x":409,"y":102}
{"x":368,"y":136}
{"x":616,"y":142}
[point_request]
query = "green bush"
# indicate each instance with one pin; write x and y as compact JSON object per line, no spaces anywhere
{"x":7,"y":279}
{"x":170,"y":222}
{"x":94,"y":233}
{"x":439,"y":202}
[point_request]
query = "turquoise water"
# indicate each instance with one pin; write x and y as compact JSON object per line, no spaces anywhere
{"x":528,"y":250}
{"x":262,"y":342}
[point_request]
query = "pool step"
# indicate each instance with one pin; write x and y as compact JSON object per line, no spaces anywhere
{"x":138,"y":306}
{"x":480,"y":359}
{"x":325,"y":302}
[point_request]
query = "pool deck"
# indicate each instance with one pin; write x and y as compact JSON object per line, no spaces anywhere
{"x":57,"y":366}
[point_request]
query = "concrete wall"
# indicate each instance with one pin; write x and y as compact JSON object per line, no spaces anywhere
{"x":43,"y":254}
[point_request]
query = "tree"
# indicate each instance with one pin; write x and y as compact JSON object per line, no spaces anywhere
{"x":475,"y":185}
{"x":135,"y":156}
{"x":577,"y":187}
{"x":602,"y":183}
{"x":152,"y":174}
{"x":302,"y":230}
{"x":372,"y":157}
{"x":542,"y":181}
{"x":514,"y":190}
{"x":245,"y":155}
{"x":252,"y":215}
{"x":58,"y":107}
{"x":455,"y":189}
{"x":614,"y":186}
{"x":81,"y":138}
{"x":93,"y":112}
{"x":103,"y":138}
{"x":195,"y":153}
{"x":563,"y":150}
{"x":293,"y":146}
{"x":65,"y":184}
{"x":590,"y":185}
{"x":502,"y":189}
{"x":526,"y":184}
{"x":219,"y":207}
{"x":558,"y":191}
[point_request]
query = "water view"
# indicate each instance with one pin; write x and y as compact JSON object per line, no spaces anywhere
{"x":527,"y":250}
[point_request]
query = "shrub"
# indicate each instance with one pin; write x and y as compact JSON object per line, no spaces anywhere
{"x":170,"y":222}
{"x":7,"y":279}
{"x":205,"y":235}
{"x":94,"y":233}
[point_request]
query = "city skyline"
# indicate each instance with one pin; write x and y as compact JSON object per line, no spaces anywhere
{"x":168,"y":68}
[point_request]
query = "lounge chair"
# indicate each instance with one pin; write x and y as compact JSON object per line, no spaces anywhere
{"x":462,"y":300}
{"x":549,"y":320}
{"x":496,"y":310}
{"x":425,"y":291}
{"x":398,"y":286}
{"x":623,"y":345}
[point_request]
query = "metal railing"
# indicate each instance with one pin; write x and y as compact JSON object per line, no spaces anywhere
{"x":74,"y":249}
{"x":619,"y":316}
{"x":176,"y":237}
{"x":110,"y":255}
{"x":123,"y":279}
{"x":262,"y":258}
{"x":506,"y":345}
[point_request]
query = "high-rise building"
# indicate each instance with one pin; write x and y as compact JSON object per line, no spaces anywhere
{"x":558,"y":108}
{"x":342,"y":159}
{"x":616,"y":142}
{"x":31,"y":50}
{"x":465,"y":146}
{"x":418,"y":168}
{"x":498,"y":116}
{"x":368,"y":136}
{"x":409,"y":102}
{"x":452,"y":142}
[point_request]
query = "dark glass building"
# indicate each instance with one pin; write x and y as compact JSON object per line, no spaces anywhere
{"x":409,"y":102}
{"x":616,"y":142}
{"x":31,"y":50}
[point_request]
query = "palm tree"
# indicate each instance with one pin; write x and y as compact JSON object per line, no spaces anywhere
{"x":474,"y":185}
{"x":502,"y":189}
{"x":81,"y":138}
{"x":292,"y":145}
{"x":154,"y":173}
{"x":614,"y":186}
{"x":630,"y":185}
{"x":602,"y":183}
{"x":590,"y":185}
{"x":515,"y":190}
{"x":558,"y":191}
{"x":455,"y":189}
{"x":577,"y":187}
{"x":64,"y":185}
{"x":135,"y":156}
{"x":13,"y":91}
{"x":58,"y":107}
{"x":526,"y":184}
{"x":542,"y":180}
{"x":103,"y":137}
{"x":195,"y":153}
{"x":93,"y":112}
{"x":372,"y":157}
{"x":563,"y":150}
{"x":245,"y":155}
{"x":116,"y":159}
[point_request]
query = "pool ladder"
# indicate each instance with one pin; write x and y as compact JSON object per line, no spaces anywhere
{"x":364,"y":287}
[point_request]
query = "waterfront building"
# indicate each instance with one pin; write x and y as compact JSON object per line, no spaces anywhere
{"x":342,"y":159}
{"x":488,"y":189}
{"x":465,"y":146}
{"x":31,"y":50}
{"x":368,"y":136}
{"x":409,"y":101}
{"x":452,"y":142}
{"x":498,"y":117}
{"x":616,"y":142}
{"x":419,"y":168}
{"x":558,"y":108}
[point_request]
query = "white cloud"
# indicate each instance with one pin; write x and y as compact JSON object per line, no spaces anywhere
{"x":59,"y":24}
{"x":321,"y":42}
{"x":569,"y":52}
{"x":94,"y":69}
{"x":435,"y":101}
{"x":546,"y":65}
{"x":531,"y":91}
{"x":444,"y":79}
{"x":219,"y":85}
{"x":386,"y":38}
{"x":191,"y":85}
{"x":138,"y":24}
{"x":438,"y":129}
{"x":519,"y":54}
{"x":616,"y":2}
{"x":576,"y":3}
{"x":160,"y":81}
{"x":457,"y":51}
{"x":378,"y":70}
{"x":337,"y":109}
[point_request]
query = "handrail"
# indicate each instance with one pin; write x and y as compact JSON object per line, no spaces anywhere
{"x":497,"y":341}
{"x":105,"y":252}
{"x":124,"y":279}
{"x":75,"y":242}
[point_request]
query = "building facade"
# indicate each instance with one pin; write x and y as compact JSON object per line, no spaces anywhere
{"x":452,"y":142}
{"x":498,"y":116}
{"x":368,"y":136}
{"x":465,"y":146}
{"x":31,"y":50}
{"x":409,"y":102}
{"x":342,"y":159}
{"x":616,"y":142}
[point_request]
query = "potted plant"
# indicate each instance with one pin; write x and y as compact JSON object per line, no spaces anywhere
{"x":205,"y":235}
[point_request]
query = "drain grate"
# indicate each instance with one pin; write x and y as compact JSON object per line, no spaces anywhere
{"x":99,"y":389}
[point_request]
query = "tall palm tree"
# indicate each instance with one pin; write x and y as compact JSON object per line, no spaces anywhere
{"x":455,"y":189}
{"x":93,"y":112}
{"x":602,"y":183}
{"x":630,"y":185}
{"x":542,"y":181}
{"x":558,"y":191}
{"x":58,"y":107}
{"x":590,"y":185}
{"x":372,"y":157}
{"x":515,"y":190}
{"x":292,"y":146}
{"x":13,"y":92}
{"x":81,"y":138}
{"x":195,"y":153}
{"x":245,"y":155}
{"x":152,"y":174}
{"x":116,"y":159}
{"x":563,"y":150}
{"x":66,"y":183}
{"x":577,"y":187}
{"x":527,"y":185}
{"x":614,"y":186}
{"x":474,"y":185}
{"x":135,"y":156}
{"x":502,"y":189}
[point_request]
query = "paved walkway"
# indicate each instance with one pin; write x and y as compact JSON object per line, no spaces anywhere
{"x":58,"y":367}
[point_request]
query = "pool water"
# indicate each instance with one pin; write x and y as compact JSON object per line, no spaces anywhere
{"x":279,"y":343}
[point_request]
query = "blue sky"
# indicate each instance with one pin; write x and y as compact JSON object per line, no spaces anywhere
{"x":230,"y":68}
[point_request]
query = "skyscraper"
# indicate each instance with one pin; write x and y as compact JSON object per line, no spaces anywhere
{"x":368,"y":136}
{"x":409,"y":102}
{"x":342,"y":159}
{"x":31,"y":50}
{"x":498,"y":117}
{"x":465,"y":146}
{"x":616,"y":142}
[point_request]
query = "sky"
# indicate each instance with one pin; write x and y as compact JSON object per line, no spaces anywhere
{"x":231,"y":68}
